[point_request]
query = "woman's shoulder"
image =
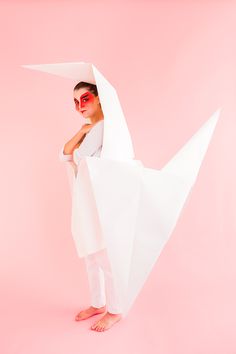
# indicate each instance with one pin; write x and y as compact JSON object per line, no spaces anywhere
{"x":97,"y":127}
{"x":99,"y":123}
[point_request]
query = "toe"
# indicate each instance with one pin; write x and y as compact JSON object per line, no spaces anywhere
{"x":99,"y":327}
{"x":96,"y":326}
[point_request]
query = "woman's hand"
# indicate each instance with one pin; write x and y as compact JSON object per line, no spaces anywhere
{"x":77,"y":139}
{"x":83,"y":130}
{"x":86,"y":128}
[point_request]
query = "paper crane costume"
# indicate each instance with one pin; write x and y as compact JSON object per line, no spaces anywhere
{"x":119,"y":204}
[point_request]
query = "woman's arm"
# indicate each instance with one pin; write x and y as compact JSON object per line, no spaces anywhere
{"x":66,"y":152}
{"x":77,"y":139}
{"x":74,"y":142}
{"x":92,"y":143}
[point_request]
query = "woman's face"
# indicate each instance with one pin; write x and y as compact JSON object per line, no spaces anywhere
{"x":86,"y":103}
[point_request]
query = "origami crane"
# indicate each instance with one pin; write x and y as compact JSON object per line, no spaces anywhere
{"x":135,"y":208}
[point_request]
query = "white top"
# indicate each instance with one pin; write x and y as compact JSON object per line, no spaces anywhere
{"x":90,"y":146}
{"x":85,"y":224}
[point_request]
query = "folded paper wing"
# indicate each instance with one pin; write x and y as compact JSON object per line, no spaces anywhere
{"x":134,"y":209}
{"x":141,"y":207}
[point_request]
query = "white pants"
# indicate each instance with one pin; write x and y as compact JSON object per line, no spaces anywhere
{"x":101,"y":285}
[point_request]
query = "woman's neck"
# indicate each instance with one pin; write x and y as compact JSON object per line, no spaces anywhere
{"x":95,"y":119}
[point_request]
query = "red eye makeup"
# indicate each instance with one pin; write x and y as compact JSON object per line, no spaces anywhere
{"x":85,"y":98}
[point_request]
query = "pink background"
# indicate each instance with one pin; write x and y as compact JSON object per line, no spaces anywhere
{"x":173,"y":65}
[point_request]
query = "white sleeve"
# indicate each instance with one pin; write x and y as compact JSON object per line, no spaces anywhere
{"x":91,"y":143}
{"x":63,"y":157}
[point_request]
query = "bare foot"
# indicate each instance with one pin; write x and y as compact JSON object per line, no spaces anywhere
{"x":106,"y":322}
{"x":91,"y":311}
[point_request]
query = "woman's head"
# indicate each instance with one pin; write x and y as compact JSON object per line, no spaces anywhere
{"x":87,"y":100}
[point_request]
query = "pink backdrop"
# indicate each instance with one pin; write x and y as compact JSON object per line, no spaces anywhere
{"x":173,"y":65}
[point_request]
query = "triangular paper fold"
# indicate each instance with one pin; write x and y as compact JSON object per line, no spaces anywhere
{"x":122,"y":205}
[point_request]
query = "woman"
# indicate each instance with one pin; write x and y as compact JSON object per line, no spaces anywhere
{"x":88,"y":142}
{"x":133,"y":207}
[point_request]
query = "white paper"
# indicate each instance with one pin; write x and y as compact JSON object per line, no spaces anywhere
{"x":134,"y":208}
